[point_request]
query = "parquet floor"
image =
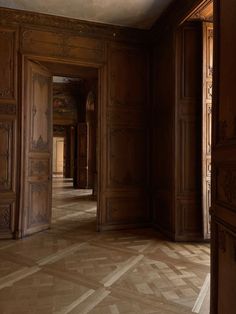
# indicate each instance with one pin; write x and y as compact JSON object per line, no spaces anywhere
{"x":73,"y":269}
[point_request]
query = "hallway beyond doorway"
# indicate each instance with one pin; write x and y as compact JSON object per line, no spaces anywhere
{"x":71,"y":268}
{"x":72,"y":206}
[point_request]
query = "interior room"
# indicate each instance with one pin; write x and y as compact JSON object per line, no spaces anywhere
{"x":117,"y":157}
{"x":74,"y":150}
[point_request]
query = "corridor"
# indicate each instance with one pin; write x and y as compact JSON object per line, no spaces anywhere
{"x":73,"y":269}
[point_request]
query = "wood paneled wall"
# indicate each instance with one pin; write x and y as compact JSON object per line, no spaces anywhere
{"x":126,"y":179}
{"x":163,"y":136}
{"x":176,"y":133}
{"x":122,"y":59}
{"x":223,"y":214}
{"x":8,"y":126}
{"x":188,"y":132}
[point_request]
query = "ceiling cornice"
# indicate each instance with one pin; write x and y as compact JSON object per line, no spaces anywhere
{"x":178,"y":12}
{"x":82,"y":28}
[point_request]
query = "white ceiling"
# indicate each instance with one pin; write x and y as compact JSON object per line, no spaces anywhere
{"x":133,"y":13}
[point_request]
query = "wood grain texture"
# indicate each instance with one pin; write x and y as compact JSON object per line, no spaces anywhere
{"x":223,"y":283}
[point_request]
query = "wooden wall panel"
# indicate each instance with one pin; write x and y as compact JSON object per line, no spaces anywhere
{"x":223,"y":210}
{"x":8,"y":126}
{"x":56,"y":44}
{"x":126,"y":210}
{"x":227,"y":275}
{"x":126,"y":152}
{"x":189,"y":131}
{"x":7,"y":219}
{"x":6,"y":153}
{"x":7,"y":64}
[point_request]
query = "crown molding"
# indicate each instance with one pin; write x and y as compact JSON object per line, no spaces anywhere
{"x":83,"y":28}
{"x":178,"y":12}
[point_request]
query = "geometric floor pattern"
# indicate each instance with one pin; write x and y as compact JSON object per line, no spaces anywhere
{"x":71,"y":268}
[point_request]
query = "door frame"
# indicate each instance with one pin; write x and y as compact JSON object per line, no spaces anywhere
{"x":101,"y":103}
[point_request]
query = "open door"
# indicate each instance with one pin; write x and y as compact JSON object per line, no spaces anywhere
{"x":207,"y":124}
{"x":223,"y":227}
{"x":81,"y":180}
{"x":37,"y":149}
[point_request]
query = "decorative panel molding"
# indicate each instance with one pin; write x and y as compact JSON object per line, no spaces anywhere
{"x":5,"y":217}
{"x":127,"y":161}
{"x":40,"y":113}
{"x":39,"y":194}
{"x":226,"y":253}
{"x":39,"y":167}
{"x":191,"y":72}
{"x":188,"y":130}
{"x":126,"y":210}
{"x":188,"y":161}
{"x":84,"y":28}
{"x":127,"y":77}
{"x":226,"y":186}
{"x":60,"y":44}
{"x":226,"y":127}
{"x":7,"y":64}
{"x":6,"y":154}
{"x":8,"y":109}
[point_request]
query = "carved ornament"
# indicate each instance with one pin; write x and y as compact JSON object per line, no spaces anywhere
{"x":79,"y":27}
{"x":7,"y":109}
{"x":5,"y":217}
{"x":40,"y":144}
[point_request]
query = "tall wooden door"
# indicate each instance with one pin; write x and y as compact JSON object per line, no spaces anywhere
{"x":81,"y":180}
{"x":37,"y":149}
{"x":223,"y":227}
{"x":207,"y":124}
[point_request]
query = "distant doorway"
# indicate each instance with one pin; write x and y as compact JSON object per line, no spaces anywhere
{"x":58,"y":157}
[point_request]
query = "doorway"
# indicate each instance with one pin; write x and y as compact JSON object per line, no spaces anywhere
{"x":57,"y":153}
{"x":58,"y":156}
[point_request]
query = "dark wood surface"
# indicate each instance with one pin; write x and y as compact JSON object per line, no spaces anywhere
{"x":124,"y":189}
{"x":188,"y":132}
{"x":224,"y":161}
{"x":8,"y":131}
{"x":36,"y":149}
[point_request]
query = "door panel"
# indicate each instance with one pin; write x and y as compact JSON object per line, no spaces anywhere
{"x":124,"y":186}
{"x":207,"y":123}
{"x":188,"y":211}
{"x":37,"y":149}
{"x":223,"y":219}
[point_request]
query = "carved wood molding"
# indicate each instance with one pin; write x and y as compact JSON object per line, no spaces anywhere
{"x":173,"y":16}
{"x":5,"y":217}
{"x":226,"y":186}
{"x":39,"y":167}
{"x":82,"y":28}
{"x":8,"y":109}
{"x":6,"y":129}
{"x":37,"y":215}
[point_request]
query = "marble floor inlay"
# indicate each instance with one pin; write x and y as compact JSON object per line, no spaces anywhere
{"x":73,"y":269}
